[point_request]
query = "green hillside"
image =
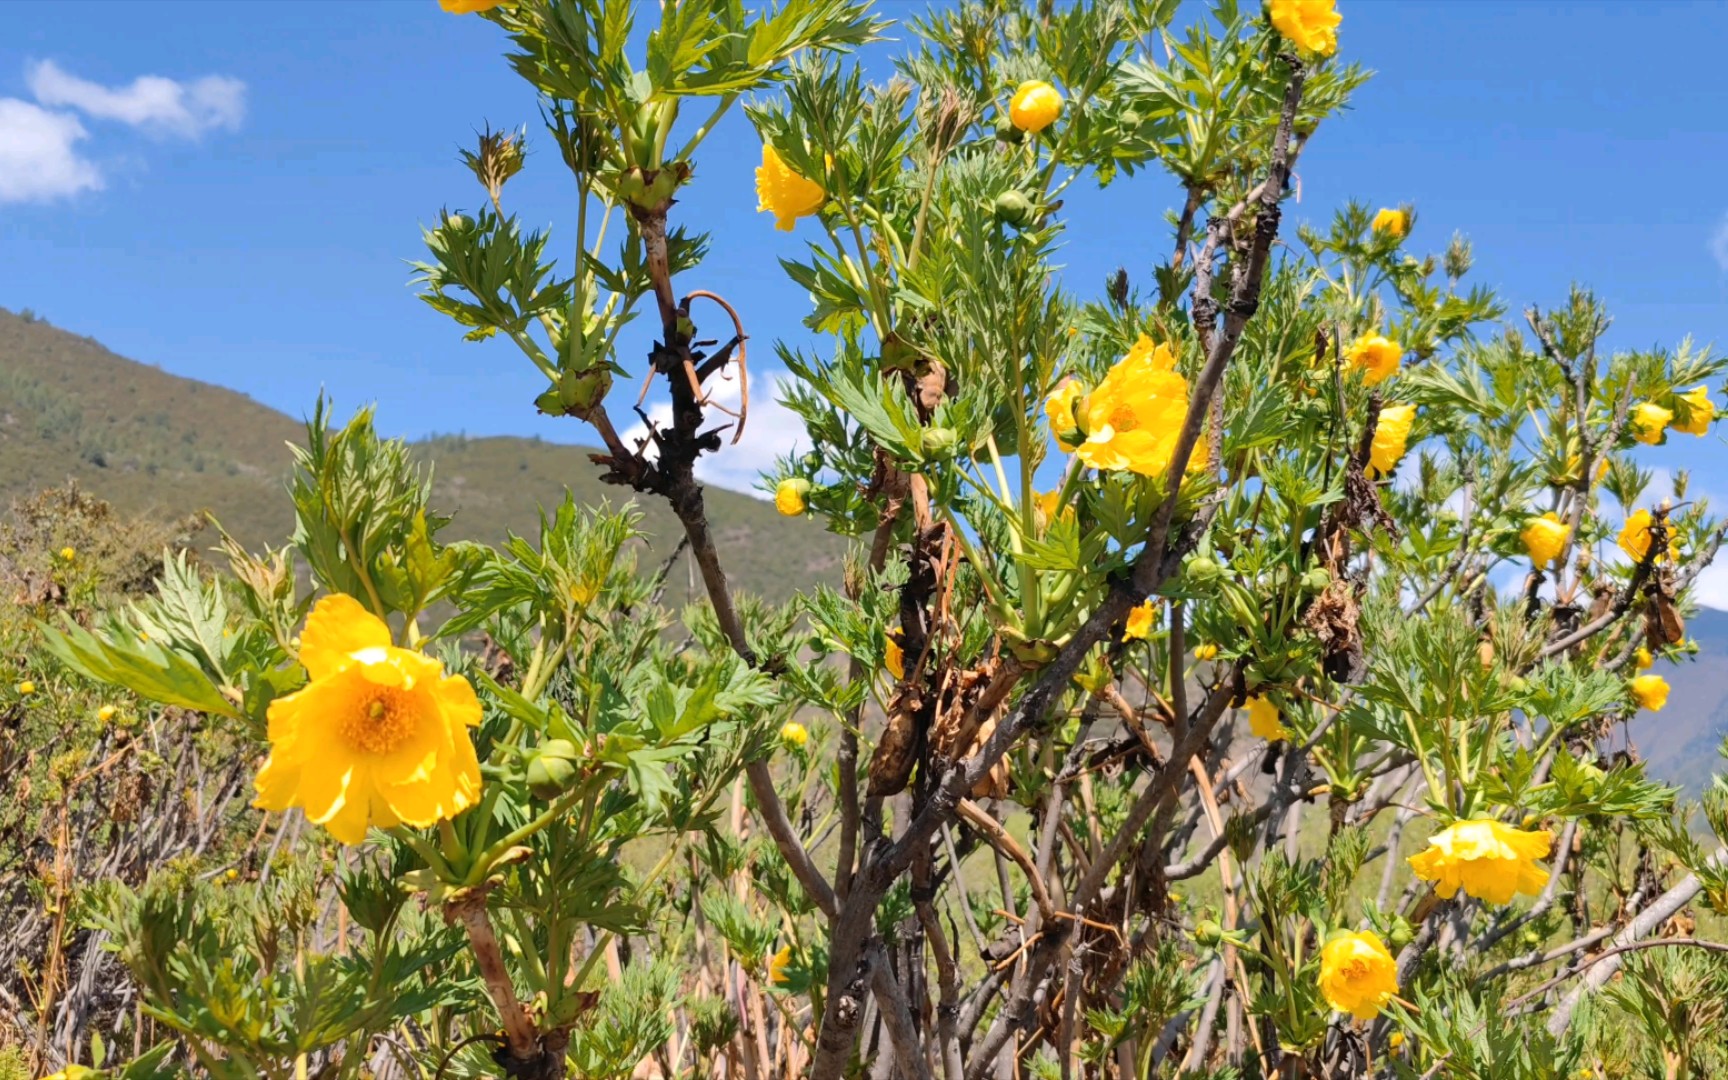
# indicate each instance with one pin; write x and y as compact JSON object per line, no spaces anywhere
{"x":159,"y":444}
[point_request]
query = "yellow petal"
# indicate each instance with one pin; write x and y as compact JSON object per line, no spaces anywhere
{"x":337,"y":628}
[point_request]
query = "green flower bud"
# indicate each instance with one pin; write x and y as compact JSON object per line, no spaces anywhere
{"x":1203,"y":570}
{"x":1013,"y":208}
{"x":1401,"y":934}
{"x":552,"y":769}
{"x":1207,"y":932}
{"x":939,"y":442}
{"x":1007,"y":132}
{"x":1316,"y":579}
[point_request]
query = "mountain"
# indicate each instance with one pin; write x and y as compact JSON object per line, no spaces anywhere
{"x":158,"y":444}
{"x":1681,"y":741}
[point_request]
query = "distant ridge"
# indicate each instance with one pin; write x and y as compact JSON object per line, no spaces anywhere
{"x":159,"y":444}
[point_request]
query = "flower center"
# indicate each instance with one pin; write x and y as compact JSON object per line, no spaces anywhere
{"x":382,"y":723}
{"x":1122,"y":418}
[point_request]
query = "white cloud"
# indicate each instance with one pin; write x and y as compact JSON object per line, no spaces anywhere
{"x":39,"y":157}
{"x":772,"y":431}
{"x":150,"y":102}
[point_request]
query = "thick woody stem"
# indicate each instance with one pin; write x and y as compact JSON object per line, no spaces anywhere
{"x":519,"y":1034}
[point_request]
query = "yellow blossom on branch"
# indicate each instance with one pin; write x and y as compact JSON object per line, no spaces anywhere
{"x":1133,"y":418}
{"x":1140,"y":622}
{"x":1391,"y":436}
{"x":1648,"y":421}
{"x":784,"y":193}
{"x":1650,"y":692}
{"x":1635,"y":537}
{"x":895,"y":660}
{"x":1642,"y":659}
{"x":1488,"y":859}
{"x":1700,"y":411}
{"x":1544,"y":537}
{"x":789,"y":496}
{"x":1034,"y":106}
{"x":1310,"y":25}
{"x":469,"y":7}
{"x":1207,"y":651}
{"x":777,"y":966}
{"x":793,"y":735}
{"x":1394,"y":223}
{"x":1062,"y":408}
{"x":1265,"y":721}
{"x":1357,"y":975}
{"x":377,"y":737}
{"x":1377,"y":356}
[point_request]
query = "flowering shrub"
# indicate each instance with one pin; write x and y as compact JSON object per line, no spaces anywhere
{"x":1223,"y":682}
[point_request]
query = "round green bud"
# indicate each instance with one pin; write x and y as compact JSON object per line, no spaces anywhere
{"x":1013,"y":208}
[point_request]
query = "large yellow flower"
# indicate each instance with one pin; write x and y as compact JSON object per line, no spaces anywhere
{"x":1135,"y":415}
{"x":1394,"y":223}
{"x":1650,"y":692}
{"x":469,"y":7}
{"x":378,"y":737}
{"x":784,"y":193}
{"x":1376,"y":355}
{"x":1265,"y":721}
{"x":1544,"y":537}
{"x":1635,"y":537}
{"x":1488,"y":859}
{"x":1700,"y":411}
{"x":1140,"y":622}
{"x":1310,"y":25}
{"x":1357,"y":974}
{"x":1034,"y":106}
{"x":1391,"y":436}
{"x":1648,"y":422}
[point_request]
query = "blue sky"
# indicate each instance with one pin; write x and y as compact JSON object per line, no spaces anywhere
{"x":249,"y":223}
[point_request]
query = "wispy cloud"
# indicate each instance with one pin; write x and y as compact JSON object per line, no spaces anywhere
{"x":150,"y":102}
{"x":1719,"y":243}
{"x":41,"y":156}
{"x":773,"y":431}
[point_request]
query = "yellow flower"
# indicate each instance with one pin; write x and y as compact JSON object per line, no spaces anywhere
{"x":895,"y":660}
{"x":1635,"y":536}
{"x":67,"y":554}
{"x":73,"y":1072}
{"x":1642,"y":659}
{"x":1377,"y":356}
{"x":106,"y":713}
{"x":1135,"y":415}
{"x":784,"y":193}
{"x":1357,"y":974}
{"x":1310,"y":25}
{"x":1063,"y":407}
{"x":789,"y":496}
{"x":25,"y":688}
{"x":1395,"y":1040}
{"x":1701,"y":409}
{"x":793,"y":734}
{"x":1544,"y":537}
{"x":1648,"y":421}
{"x":1034,"y":106}
{"x":778,"y":965}
{"x":1265,"y":721}
{"x":1394,"y":223}
{"x":232,"y":874}
{"x":1391,"y":435}
{"x":1139,"y":626}
{"x":1206,"y":652}
{"x":1488,"y":859}
{"x":377,"y":737}
{"x":1650,"y":691}
{"x":468,"y":7}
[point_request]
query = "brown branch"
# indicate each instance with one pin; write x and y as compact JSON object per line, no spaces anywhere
{"x":520,"y":1038}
